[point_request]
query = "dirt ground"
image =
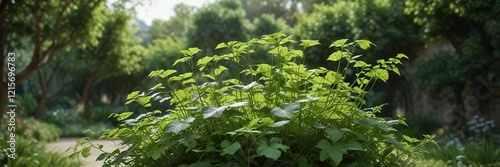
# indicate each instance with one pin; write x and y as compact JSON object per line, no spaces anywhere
{"x":64,"y":143}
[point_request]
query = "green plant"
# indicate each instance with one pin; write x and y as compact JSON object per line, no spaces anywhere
{"x":63,"y":117}
{"x":278,"y":114}
{"x":30,"y":150}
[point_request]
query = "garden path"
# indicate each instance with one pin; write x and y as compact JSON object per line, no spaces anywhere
{"x":64,"y":143}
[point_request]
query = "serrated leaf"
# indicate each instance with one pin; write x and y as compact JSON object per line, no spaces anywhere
{"x":178,"y":126}
{"x":338,"y":43}
{"x":253,"y":122}
{"x":335,"y":56}
{"x":363,"y":44}
{"x":212,"y":111}
{"x":123,"y":116}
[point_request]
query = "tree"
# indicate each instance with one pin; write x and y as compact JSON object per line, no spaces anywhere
{"x":116,"y":53}
{"x":49,"y":27}
{"x":283,"y":9}
{"x":221,"y":21}
{"x":173,"y":27}
{"x":382,"y":22}
{"x":472,"y":28}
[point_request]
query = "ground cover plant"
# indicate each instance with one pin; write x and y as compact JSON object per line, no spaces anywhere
{"x":272,"y":114}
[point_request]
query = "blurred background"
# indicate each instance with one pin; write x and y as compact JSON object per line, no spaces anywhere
{"x":77,"y":60}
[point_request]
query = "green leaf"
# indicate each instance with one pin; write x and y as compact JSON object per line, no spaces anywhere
{"x":394,"y":142}
{"x":334,"y":152}
{"x":220,"y":46}
{"x":238,"y":104}
{"x":133,"y":95}
{"x":253,"y":122}
{"x":228,"y":148}
{"x":178,"y":126}
{"x":123,"y":116}
{"x":181,"y":60}
{"x":212,"y":111}
{"x":360,"y":64}
{"x":271,"y":150}
{"x":167,"y":73}
{"x":204,"y":61}
{"x":379,"y":74}
{"x":334,"y":134}
{"x":86,"y":152}
{"x":354,"y":145}
{"x":287,"y":112}
{"x":143,"y":101}
{"x":338,"y":43}
{"x":335,"y":56}
{"x":399,"y":56}
{"x":309,"y":43}
{"x":363,"y":44}
{"x":279,"y":124}
{"x":219,"y":70}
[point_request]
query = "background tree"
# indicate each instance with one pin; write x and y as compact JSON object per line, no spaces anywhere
{"x":116,"y":53}
{"x":472,"y":29}
{"x":224,"y":20}
{"x":49,"y":27}
{"x":382,"y":22}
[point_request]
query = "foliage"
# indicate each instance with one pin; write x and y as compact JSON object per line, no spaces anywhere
{"x":267,"y":24}
{"x":62,"y":117}
{"x":479,"y":146}
{"x":279,"y":114}
{"x":221,"y":21}
{"x":173,"y":27}
{"x":30,"y":139}
{"x":476,"y":45}
{"x":418,"y":125}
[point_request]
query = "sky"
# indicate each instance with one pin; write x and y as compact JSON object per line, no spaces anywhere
{"x":163,"y":9}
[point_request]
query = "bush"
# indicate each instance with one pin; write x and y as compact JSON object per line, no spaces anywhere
{"x":63,"y":117}
{"x":30,"y":139}
{"x":278,"y":114}
{"x":32,"y":128}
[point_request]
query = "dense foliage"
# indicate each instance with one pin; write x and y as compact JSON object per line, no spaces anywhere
{"x":278,"y":114}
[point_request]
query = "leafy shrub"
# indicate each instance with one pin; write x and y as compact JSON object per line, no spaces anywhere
{"x":31,"y":136}
{"x":63,"y":117}
{"x":478,"y":147}
{"x":278,"y":114}
{"x":41,"y":131}
{"x":31,"y":152}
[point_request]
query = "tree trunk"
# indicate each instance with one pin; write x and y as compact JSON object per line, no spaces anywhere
{"x":40,"y":109}
{"x":86,"y":95}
